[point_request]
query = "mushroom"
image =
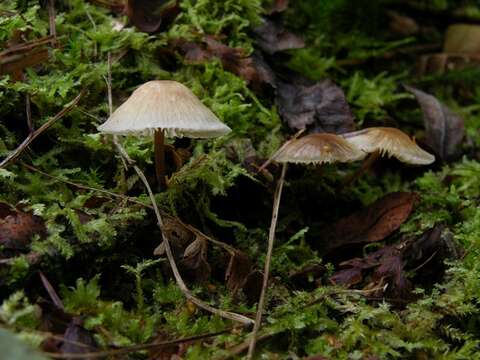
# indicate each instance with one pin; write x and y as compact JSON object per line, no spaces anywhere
{"x":318,"y":149}
{"x":164,"y":108}
{"x":381,"y":141}
{"x":311,"y":149}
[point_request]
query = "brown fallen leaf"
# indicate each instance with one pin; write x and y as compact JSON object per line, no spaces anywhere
{"x":77,"y":339}
{"x":148,"y":15}
{"x":195,"y":260}
{"x":251,"y":68}
{"x":272,"y":37}
{"x":318,"y":107}
{"x":17,"y":228}
{"x":387,"y":268}
{"x":444,"y":130}
{"x":278,"y":6}
{"x":238,"y":269}
{"x":20,"y":55}
{"x":373,"y":223}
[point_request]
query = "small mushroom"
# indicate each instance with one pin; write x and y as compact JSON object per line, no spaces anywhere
{"x":164,"y":108}
{"x":318,"y":149}
{"x":386,"y":141}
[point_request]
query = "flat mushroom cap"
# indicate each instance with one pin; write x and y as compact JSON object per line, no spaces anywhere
{"x":390,"y":141}
{"x":319,"y":148}
{"x":164,"y":105}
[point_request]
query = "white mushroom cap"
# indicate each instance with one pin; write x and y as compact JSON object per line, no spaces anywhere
{"x":319,"y":148}
{"x":164,"y":105}
{"x":389,"y":141}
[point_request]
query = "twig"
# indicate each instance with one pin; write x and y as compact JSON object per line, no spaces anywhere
{"x":240,"y":348}
{"x":85,"y":187}
{"x":32,"y":136}
{"x":266,"y":163}
{"x":51,"y":20}
{"x":28,"y":113}
{"x":271,"y":239}
{"x":178,"y":278}
{"x":124,"y":156}
{"x":51,"y":292}
{"x":24,"y":47}
{"x":130,"y":349}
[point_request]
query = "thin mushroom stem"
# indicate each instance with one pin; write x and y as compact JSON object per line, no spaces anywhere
{"x":160,"y":158}
{"x":366,"y":165}
{"x":268,"y":259}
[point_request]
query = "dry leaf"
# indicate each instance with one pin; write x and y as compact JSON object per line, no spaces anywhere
{"x":444,"y":130}
{"x":272,"y":37}
{"x":148,"y":15}
{"x":17,"y":227}
{"x":373,"y":223}
{"x":319,"y":107}
{"x":239,"y":267}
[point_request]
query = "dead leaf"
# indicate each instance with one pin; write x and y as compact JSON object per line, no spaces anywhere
{"x":195,"y":260}
{"x":347,"y":277}
{"x":424,"y":256}
{"x":77,"y":339}
{"x":19,"y":56}
{"x":272,"y":37}
{"x":278,"y":6}
{"x":319,"y":107}
{"x":444,"y":130}
{"x":17,"y":228}
{"x":148,"y":15}
{"x":253,"y":286}
{"x":251,"y":68}
{"x":238,"y":269}
{"x":373,"y":223}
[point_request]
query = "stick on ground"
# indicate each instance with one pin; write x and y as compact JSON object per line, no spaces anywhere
{"x":268,"y":259}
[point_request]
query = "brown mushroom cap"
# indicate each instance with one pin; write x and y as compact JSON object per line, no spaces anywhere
{"x":164,"y":105}
{"x":389,"y":141}
{"x":319,"y":148}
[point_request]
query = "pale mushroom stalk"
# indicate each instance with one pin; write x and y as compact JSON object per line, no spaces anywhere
{"x":159,"y":150}
{"x":364,"y":167}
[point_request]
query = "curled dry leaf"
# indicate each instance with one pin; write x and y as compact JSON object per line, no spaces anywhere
{"x":253,"y":68}
{"x":319,"y":107}
{"x":241,"y":275}
{"x":273,"y":37}
{"x":425,"y":255}
{"x":77,"y":339}
{"x":278,"y":6}
{"x":373,"y":223}
{"x":444,"y":130}
{"x":148,"y":15}
{"x":18,"y":227}
{"x":195,"y":259}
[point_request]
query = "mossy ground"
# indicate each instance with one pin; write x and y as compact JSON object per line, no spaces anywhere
{"x":98,"y":251}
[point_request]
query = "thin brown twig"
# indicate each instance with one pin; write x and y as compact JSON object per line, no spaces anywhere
{"x":51,"y":292}
{"x":178,"y":278}
{"x":123,"y":155}
{"x":268,"y":259}
{"x":32,"y":136}
{"x":28,"y":113}
{"x":51,"y":20}
{"x":130,"y":349}
{"x":23,"y":47}
{"x":85,"y":187}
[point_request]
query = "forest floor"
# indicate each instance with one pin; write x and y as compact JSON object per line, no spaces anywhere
{"x":382,"y":267}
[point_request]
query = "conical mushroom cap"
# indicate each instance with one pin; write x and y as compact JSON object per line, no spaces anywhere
{"x":318,"y":149}
{"x":164,"y":105}
{"x":390,"y":141}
